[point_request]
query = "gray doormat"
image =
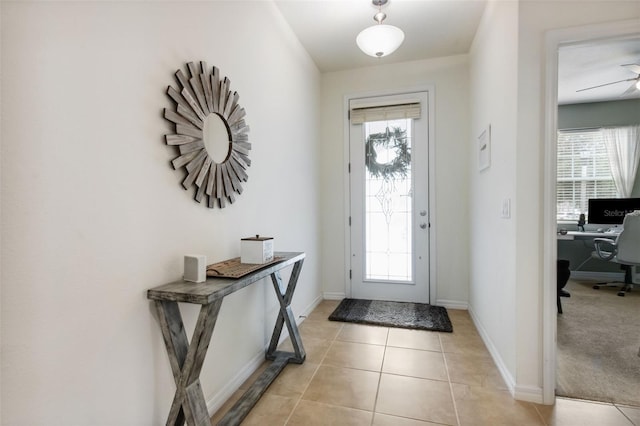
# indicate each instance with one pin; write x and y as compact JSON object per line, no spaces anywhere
{"x":419,"y":316}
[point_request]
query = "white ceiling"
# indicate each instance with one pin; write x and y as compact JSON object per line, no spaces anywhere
{"x":437,"y":28}
{"x":433,"y":28}
{"x":592,"y":64}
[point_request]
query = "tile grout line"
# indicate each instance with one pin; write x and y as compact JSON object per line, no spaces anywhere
{"x":535,"y":407}
{"x":312,"y":376}
{"x":446,"y":367}
{"x":623,"y":413}
{"x":375,"y":401}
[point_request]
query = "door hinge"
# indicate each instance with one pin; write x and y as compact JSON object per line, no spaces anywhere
{"x":349,"y":220}
{"x":350,"y":274}
{"x":348,"y":114}
{"x":349,"y":167}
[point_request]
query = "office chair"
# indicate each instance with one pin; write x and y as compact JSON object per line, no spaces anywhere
{"x":625,"y":250}
{"x":563,"y":275}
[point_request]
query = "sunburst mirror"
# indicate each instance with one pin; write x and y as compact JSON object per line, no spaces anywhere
{"x":210,"y":134}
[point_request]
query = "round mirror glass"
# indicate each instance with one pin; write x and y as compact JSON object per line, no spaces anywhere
{"x":216,"y":138}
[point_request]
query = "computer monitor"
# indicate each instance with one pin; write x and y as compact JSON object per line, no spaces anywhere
{"x":611,"y":211}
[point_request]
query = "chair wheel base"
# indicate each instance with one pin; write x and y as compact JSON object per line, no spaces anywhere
{"x":623,"y":290}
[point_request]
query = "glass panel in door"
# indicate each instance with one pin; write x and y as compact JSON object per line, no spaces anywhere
{"x":389,"y":204}
{"x":389,"y":232}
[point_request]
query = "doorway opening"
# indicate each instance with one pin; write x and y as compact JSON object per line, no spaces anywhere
{"x":557,"y":40}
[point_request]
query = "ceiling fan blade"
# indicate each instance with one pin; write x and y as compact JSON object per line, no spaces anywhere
{"x":630,"y":90}
{"x":606,"y":84}
{"x":633,"y":67}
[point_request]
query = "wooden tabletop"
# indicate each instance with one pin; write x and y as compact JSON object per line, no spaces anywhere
{"x":216,"y":288}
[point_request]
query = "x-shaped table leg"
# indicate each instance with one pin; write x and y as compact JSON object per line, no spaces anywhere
{"x":186,"y":360}
{"x":280,"y":358}
{"x":285,"y":316}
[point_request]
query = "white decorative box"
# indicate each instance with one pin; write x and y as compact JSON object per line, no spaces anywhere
{"x":256,"y":249}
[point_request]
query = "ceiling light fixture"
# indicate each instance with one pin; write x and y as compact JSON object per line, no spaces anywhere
{"x":380,"y":40}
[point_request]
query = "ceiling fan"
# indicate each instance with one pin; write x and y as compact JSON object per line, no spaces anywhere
{"x":635,"y":86}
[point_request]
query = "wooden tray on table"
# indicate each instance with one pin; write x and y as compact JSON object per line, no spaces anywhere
{"x":232,"y":268}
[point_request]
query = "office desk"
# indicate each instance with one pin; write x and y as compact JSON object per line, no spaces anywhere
{"x":579,"y":235}
{"x":587,"y":238}
{"x":186,"y":358}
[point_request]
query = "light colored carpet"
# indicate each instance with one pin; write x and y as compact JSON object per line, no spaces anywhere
{"x":599,"y":344}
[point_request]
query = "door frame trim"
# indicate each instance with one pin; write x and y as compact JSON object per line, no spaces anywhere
{"x":430,"y":90}
{"x":554,"y":40}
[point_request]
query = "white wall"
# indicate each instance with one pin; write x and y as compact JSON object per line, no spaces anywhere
{"x":0,"y":219}
{"x":93,"y":214}
{"x":450,"y":77}
{"x":492,"y":237}
{"x":535,"y":19}
{"x":515,"y":35}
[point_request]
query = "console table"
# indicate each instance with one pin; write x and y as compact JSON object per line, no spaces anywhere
{"x":186,"y":358}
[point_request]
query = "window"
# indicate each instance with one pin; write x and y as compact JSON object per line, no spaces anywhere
{"x":388,"y":200}
{"x":583,"y":172}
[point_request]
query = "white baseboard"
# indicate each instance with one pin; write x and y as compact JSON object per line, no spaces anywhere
{"x":452,"y":304}
{"x":529,"y":394}
{"x":334,"y":296}
{"x":307,"y":311}
{"x":219,"y":398}
{"x":521,"y":393}
{"x":597,"y":276}
{"x":504,"y":371}
{"x":603,"y":276}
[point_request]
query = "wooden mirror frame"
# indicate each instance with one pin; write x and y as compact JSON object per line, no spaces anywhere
{"x":200,"y":95}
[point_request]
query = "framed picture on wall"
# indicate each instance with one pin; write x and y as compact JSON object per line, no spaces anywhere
{"x":484,"y":149}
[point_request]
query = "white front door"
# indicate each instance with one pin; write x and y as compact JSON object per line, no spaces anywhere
{"x":389,"y":232}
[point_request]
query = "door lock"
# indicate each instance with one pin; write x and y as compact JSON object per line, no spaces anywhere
{"x":423,"y":225}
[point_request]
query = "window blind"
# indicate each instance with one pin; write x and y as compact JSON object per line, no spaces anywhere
{"x":382,"y":113}
{"x":583,"y":172}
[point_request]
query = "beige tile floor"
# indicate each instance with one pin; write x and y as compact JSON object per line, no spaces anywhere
{"x":365,"y":375}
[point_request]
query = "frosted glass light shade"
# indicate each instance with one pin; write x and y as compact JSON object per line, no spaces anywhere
{"x":380,"y":40}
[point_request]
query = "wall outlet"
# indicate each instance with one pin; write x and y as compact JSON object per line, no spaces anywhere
{"x":506,"y":208}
